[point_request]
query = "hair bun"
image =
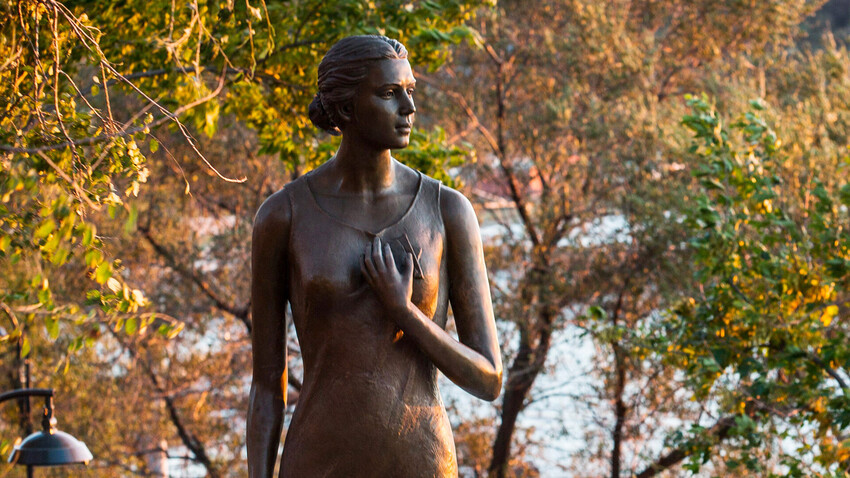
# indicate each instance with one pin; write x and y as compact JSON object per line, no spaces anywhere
{"x":320,"y":117}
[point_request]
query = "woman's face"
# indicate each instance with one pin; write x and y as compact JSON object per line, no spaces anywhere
{"x":382,"y":109}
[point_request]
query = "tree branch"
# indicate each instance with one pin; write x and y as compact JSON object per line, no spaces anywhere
{"x":240,"y":312}
{"x":496,"y":144}
{"x":719,"y":431}
{"x":106,"y":136}
{"x":829,"y":370}
{"x":186,"y":436}
{"x":289,"y":46}
{"x":185,"y":69}
{"x":620,"y":408}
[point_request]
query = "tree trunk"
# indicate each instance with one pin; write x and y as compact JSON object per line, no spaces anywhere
{"x":619,"y":410}
{"x":521,"y":375}
{"x":619,"y":386}
{"x":519,"y":383}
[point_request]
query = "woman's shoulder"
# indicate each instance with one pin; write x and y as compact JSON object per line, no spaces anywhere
{"x":453,"y":202}
{"x":275,"y":214}
{"x":456,"y":210}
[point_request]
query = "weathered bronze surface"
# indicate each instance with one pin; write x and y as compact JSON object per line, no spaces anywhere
{"x":369,"y":254}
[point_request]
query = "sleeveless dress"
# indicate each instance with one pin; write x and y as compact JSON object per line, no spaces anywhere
{"x":369,"y":405}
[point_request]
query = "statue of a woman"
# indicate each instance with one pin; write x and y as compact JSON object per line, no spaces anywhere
{"x":369,"y":254}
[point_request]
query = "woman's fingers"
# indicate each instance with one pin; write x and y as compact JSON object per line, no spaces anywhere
{"x":378,"y":255}
{"x":408,"y":266}
{"x":369,"y":264}
{"x":389,"y":260}
{"x":365,"y":270}
{"x":378,"y":262}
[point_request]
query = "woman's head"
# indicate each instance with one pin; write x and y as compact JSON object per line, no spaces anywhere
{"x":342,"y":69}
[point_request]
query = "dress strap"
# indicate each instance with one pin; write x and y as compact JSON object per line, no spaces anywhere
{"x":431,"y":198}
{"x":299,"y":198}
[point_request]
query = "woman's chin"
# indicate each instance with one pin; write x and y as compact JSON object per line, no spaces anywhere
{"x":401,"y":144}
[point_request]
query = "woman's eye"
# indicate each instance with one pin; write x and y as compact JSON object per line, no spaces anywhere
{"x":410,"y":92}
{"x":388,"y":94}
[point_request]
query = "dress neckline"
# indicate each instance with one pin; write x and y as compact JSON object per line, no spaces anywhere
{"x":358,"y":228}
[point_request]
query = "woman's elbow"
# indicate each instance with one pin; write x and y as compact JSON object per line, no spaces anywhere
{"x":496,"y":385}
{"x":491,"y":385}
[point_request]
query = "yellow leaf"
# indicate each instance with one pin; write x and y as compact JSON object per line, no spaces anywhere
{"x":828,"y":314}
{"x":113,"y":285}
{"x":138,"y":297}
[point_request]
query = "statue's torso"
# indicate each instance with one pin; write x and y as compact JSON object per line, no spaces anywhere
{"x":370,"y":405}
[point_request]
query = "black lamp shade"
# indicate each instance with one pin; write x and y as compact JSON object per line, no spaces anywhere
{"x":50,"y":449}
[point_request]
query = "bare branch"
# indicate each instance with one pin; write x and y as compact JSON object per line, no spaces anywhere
{"x":829,"y":370}
{"x":719,"y":432}
{"x":186,"y":436}
{"x":79,"y":190}
{"x":89,"y":42}
{"x":499,"y":151}
{"x":240,"y":312}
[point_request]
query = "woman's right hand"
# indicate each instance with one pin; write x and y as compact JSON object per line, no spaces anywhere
{"x":393,"y":286}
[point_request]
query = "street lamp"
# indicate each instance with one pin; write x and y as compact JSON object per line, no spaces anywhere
{"x":48,"y":447}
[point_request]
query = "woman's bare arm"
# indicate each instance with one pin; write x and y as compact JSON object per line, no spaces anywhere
{"x":474,"y":363}
{"x":269,"y":295}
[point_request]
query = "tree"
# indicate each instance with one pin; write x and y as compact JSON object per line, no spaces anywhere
{"x":806,"y":103}
{"x":573,"y":108}
{"x":120,"y":124}
{"x":764,"y":340}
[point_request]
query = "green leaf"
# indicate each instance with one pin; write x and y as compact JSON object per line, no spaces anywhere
{"x":131,"y":325}
{"x":93,"y":297}
{"x":757,"y":104}
{"x":93,"y":257}
{"x":103,"y":273}
{"x":837,"y":268}
{"x":25,"y":346}
{"x":88,"y":234}
{"x":597,"y":312}
{"x":44,"y":297}
{"x":844,"y":194}
{"x":51,"y":244}
{"x":52,"y":327}
{"x":60,"y":256}
{"x":44,"y":229}
{"x":820,"y":193}
{"x":130,"y":223}
{"x":75,"y":344}
{"x":711,"y":183}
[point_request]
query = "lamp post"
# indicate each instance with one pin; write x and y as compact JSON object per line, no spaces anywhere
{"x":48,"y":447}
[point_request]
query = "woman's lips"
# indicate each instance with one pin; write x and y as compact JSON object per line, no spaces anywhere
{"x":403,"y":129}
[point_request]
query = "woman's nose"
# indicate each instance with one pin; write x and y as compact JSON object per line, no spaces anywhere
{"x":407,"y":107}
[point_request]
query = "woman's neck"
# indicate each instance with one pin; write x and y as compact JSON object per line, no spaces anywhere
{"x":363,"y":170}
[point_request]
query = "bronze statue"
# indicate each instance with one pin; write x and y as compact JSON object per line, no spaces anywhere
{"x":368,"y":253}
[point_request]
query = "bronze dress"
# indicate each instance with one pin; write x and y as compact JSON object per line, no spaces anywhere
{"x":370,"y":405}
